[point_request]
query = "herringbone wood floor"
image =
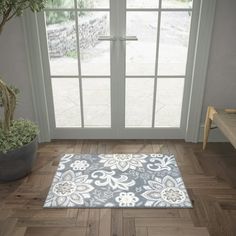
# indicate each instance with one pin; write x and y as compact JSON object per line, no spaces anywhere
{"x":210,"y":178}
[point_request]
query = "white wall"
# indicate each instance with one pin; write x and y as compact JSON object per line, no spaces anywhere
{"x":13,"y":66}
{"x":221,"y":79}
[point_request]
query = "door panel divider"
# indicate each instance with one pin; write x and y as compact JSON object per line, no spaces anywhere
{"x":128,"y":9}
{"x":156,"y":66}
{"x":127,"y":76}
{"x":79,"y":66}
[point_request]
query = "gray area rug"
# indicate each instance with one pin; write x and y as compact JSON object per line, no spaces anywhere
{"x":117,"y":180}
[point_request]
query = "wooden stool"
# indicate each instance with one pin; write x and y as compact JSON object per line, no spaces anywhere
{"x":225,"y":120}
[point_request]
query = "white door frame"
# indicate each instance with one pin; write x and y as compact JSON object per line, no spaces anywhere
{"x":202,"y":24}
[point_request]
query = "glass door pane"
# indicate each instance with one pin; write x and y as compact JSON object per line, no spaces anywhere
{"x":66,"y":97}
{"x":177,"y":3}
{"x":97,"y":102}
{"x":169,"y":102}
{"x":62,"y":43}
{"x":142,"y":4}
{"x":141,"y":54}
{"x":174,"y":37}
{"x":94,"y":54}
{"x":139,"y":102}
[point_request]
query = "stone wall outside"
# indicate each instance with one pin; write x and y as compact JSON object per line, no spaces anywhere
{"x":62,"y":37}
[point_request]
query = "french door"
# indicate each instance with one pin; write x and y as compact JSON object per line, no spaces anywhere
{"x":118,"y":68}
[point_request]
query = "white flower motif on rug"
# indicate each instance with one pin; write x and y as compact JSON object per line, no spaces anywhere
{"x":117,"y":180}
{"x":123,"y":162}
{"x":69,"y":189}
{"x":126,"y":199}
{"x":166,"y":192}
{"x":79,"y":165}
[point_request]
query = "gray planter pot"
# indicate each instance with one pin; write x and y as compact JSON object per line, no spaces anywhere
{"x":18,"y":163}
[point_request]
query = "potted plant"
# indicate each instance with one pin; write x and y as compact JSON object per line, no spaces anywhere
{"x":18,"y":138}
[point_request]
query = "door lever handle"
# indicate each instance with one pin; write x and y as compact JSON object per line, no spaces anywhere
{"x":129,"y":38}
{"x":107,"y":38}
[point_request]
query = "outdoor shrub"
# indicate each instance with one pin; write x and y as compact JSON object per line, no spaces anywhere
{"x":85,"y":4}
{"x":184,"y":0}
{"x":62,"y":16}
{"x":59,"y":17}
{"x":72,"y":54}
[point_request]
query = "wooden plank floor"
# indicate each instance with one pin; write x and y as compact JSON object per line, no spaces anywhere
{"x":210,"y":178}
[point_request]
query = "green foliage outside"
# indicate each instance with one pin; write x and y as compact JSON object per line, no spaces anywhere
{"x":21,"y":133}
{"x":72,"y":54}
{"x":63,"y":16}
{"x":54,"y":17}
{"x":184,"y":0}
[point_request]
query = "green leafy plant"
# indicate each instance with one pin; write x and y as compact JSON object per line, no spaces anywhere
{"x":13,"y":133}
{"x":11,"y":8}
{"x":20,"y":133}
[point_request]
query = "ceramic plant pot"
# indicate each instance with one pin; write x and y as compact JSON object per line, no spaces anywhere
{"x":18,"y":163}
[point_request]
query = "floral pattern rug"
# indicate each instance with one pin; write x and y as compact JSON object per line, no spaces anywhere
{"x":117,"y":180}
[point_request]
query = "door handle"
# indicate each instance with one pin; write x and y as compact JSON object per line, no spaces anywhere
{"x":129,"y":38}
{"x":106,"y":38}
{"x":112,"y":38}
